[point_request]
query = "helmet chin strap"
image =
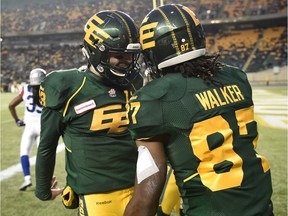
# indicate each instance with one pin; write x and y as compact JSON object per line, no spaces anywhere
{"x":117,"y":74}
{"x":92,"y":69}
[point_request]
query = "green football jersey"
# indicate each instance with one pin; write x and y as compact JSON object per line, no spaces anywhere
{"x":90,"y":115}
{"x":212,"y":141}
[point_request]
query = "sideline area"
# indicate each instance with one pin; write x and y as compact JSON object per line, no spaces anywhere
{"x":270,"y":109}
{"x":9,"y":172}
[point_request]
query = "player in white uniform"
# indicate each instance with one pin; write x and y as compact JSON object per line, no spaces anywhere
{"x":30,"y":137}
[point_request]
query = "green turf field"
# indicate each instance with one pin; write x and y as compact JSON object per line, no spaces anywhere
{"x":272,"y":144}
{"x":14,"y":202}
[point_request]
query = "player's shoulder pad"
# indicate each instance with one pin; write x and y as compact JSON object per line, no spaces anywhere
{"x":235,"y":71}
{"x":58,"y":86}
{"x":167,"y":88}
{"x":151,"y":91}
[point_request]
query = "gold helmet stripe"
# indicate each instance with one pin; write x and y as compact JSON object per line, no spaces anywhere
{"x":126,"y":24}
{"x":193,"y":16}
{"x":90,"y":29}
{"x":171,"y":31}
{"x":96,"y":18}
{"x":187,"y":25}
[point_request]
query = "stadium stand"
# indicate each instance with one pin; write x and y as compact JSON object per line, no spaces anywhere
{"x":250,"y":34}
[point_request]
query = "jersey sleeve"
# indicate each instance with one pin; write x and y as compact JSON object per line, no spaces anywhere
{"x":57,"y":87}
{"x":146,"y":112}
{"x":51,"y":129}
{"x":145,"y":119}
{"x":54,"y":93}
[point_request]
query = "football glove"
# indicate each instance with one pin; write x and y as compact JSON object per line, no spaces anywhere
{"x":69,"y":198}
{"x":20,"y":123}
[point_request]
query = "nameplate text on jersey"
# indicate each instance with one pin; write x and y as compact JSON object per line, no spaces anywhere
{"x":217,"y":97}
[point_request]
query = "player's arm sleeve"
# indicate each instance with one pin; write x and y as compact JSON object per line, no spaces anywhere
{"x":146,"y":195}
{"x":51,"y":127}
{"x":145,"y":119}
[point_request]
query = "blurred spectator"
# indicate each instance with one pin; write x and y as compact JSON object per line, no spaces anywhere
{"x":49,"y":16}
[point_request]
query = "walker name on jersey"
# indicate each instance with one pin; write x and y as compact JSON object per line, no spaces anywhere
{"x":83,"y":107}
{"x":220,"y":96}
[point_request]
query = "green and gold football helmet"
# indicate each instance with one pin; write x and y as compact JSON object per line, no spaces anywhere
{"x":169,"y":35}
{"x":112,"y":33}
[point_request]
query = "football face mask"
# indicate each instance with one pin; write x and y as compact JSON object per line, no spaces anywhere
{"x":111,"y":46}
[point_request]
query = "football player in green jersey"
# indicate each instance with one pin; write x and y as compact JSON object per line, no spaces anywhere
{"x":87,"y":108}
{"x":200,"y":114}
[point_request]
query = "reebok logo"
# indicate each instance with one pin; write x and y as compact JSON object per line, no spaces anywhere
{"x":104,"y":202}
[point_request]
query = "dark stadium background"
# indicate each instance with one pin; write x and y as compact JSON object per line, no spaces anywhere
{"x":250,"y":34}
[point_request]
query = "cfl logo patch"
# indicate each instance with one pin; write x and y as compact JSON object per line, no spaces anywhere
{"x":93,"y":32}
{"x":145,"y":35}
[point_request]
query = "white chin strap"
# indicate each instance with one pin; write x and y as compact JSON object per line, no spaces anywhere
{"x":116,"y":73}
{"x":182,"y":58}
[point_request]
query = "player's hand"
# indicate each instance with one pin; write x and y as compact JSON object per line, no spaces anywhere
{"x":54,"y":190}
{"x":20,"y":123}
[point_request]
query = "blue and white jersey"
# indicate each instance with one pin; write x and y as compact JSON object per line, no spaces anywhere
{"x":32,"y":111}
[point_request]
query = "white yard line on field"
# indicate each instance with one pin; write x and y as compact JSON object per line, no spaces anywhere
{"x":9,"y":172}
{"x":271,"y":108}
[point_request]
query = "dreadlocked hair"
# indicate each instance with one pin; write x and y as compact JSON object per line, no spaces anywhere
{"x":203,"y":67}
